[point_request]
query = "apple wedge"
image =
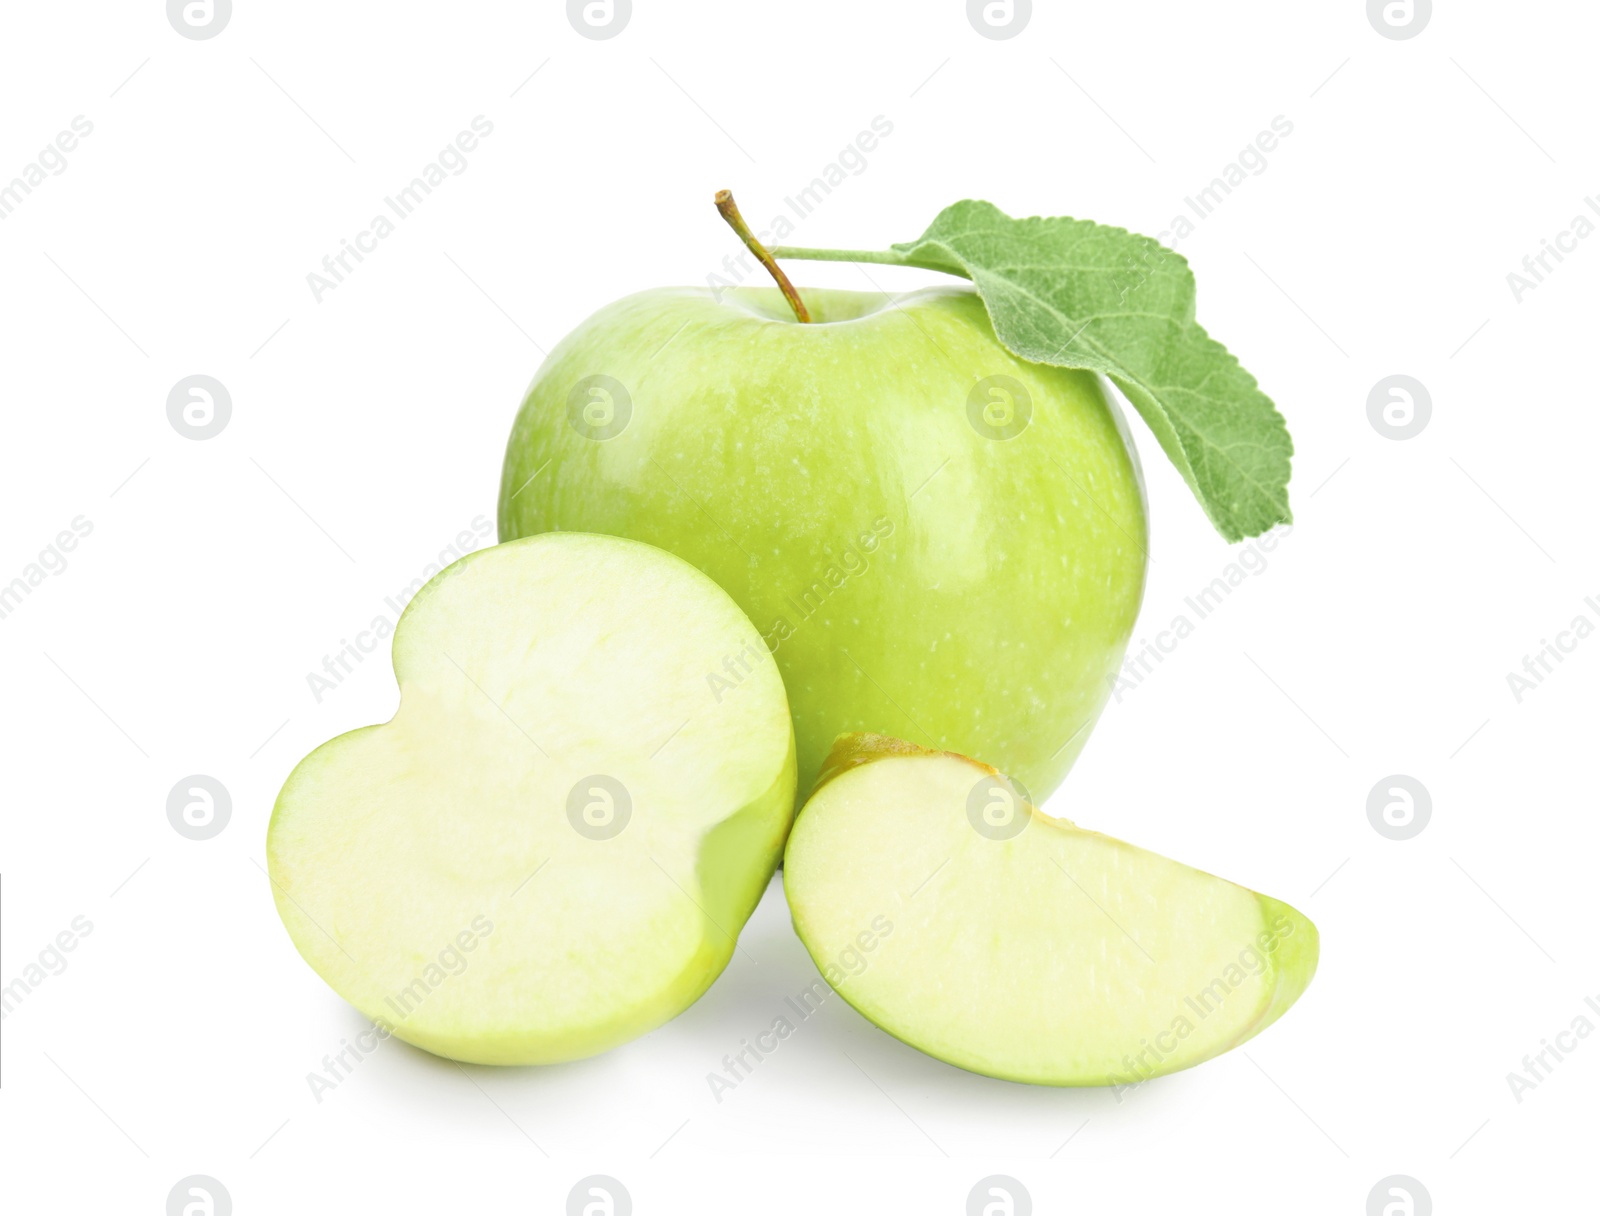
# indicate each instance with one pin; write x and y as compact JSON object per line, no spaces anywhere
{"x":1022,"y":946}
{"x":552,"y":846}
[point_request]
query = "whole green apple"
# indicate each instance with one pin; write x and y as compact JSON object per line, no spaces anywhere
{"x":936,"y":538}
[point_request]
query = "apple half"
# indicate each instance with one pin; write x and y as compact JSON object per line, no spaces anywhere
{"x":1019,"y":945}
{"x":552,"y":846}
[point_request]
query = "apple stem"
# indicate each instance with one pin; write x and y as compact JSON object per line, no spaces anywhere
{"x":729,"y":211}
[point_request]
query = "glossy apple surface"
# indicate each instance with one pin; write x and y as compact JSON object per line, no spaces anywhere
{"x":935,"y":538}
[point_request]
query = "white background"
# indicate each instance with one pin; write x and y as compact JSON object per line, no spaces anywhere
{"x":367,"y":431}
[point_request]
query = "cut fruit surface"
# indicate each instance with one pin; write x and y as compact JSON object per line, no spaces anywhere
{"x":552,"y":846}
{"x":1022,"y":946}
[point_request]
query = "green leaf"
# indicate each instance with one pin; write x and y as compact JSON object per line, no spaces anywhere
{"x":1073,"y":293}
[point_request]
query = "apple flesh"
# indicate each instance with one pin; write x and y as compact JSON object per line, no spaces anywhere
{"x":1022,"y":946}
{"x":935,"y":538}
{"x":552,"y":845}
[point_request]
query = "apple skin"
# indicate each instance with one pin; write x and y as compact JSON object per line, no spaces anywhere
{"x":916,"y":565}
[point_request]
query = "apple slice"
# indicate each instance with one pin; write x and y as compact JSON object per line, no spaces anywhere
{"x":552,"y":846}
{"x":990,"y":935}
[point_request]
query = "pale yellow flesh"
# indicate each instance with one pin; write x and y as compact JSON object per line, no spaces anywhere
{"x":1058,"y":956}
{"x":427,"y":868}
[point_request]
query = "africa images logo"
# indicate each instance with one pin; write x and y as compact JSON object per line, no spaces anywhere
{"x":999,"y":1195}
{"x":599,"y":1195}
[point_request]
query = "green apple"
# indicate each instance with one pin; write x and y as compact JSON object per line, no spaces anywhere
{"x":936,"y":538}
{"x":553,"y":844}
{"x":970,"y":925}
